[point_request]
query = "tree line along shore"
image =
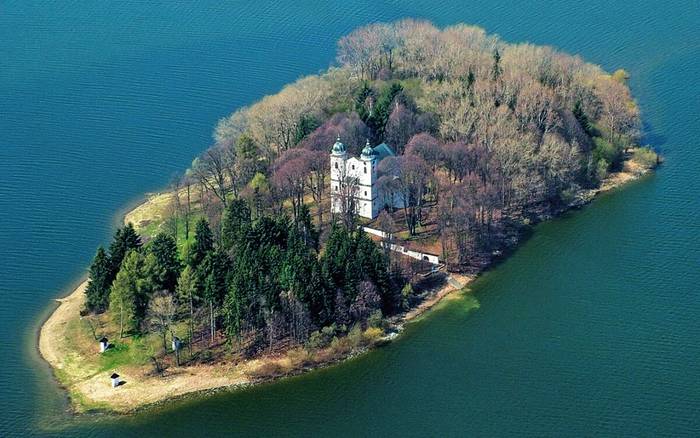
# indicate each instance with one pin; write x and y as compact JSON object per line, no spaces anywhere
{"x":242,"y":271}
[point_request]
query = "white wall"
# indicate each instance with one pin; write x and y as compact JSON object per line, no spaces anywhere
{"x":430,"y":258}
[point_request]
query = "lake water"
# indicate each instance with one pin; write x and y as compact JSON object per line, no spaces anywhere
{"x":591,"y":328}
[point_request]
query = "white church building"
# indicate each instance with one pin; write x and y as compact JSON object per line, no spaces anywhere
{"x":355,"y":180}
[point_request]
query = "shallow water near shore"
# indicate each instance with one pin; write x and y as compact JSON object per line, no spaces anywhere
{"x":589,"y":328}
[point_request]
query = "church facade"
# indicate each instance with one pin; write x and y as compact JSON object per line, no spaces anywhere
{"x":354,"y":181}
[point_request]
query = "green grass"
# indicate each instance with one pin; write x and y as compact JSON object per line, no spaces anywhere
{"x":137,"y":351}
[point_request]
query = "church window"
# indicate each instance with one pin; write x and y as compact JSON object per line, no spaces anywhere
{"x":353,"y":167}
{"x":365,"y":192}
{"x":336,"y":165}
{"x":365,"y":168}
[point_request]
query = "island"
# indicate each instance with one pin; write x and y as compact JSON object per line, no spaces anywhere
{"x":326,"y":216}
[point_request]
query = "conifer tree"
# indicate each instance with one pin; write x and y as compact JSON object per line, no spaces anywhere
{"x":164,"y":249}
{"x":126,"y":302}
{"x":582,"y":118}
{"x":188,"y":295}
{"x":496,"y":70}
{"x":235,"y":224}
{"x":203,"y":243}
{"x":212,"y":274}
{"x":97,"y":291}
{"x":125,"y":239}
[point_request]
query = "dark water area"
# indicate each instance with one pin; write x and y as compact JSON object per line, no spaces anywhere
{"x":590,"y":328}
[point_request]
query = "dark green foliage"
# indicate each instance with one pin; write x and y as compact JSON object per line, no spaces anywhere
{"x":307,"y":124}
{"x":246,"y":148}
{"x":496,"y":70}
{"x":607,"y":152}
{"x":130,"y":293}
{"x":351,"y":258}
{"x":164,"y":249}
{"x":212,"y":273}
{"x":305,"y":227}
{"x":361,"y":101}
{"x":265,"y":277}
{"x":203,"y":243}
{"x":97,"y":291}
{"x":236,"y":223}
{"x":125,"y":239}
{"x":582,"y":118}
{"x":375,"y":110}
{"x":383,"y":108}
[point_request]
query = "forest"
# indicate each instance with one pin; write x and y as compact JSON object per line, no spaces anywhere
{"x":488,"y":137}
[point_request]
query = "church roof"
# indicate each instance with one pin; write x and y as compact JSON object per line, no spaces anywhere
{"x":368,"y":152}
{"x":382,"y":151}
{"x":338,"y":147}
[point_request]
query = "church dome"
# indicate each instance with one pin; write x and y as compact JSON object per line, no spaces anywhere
{"x":338,"y":147}
{"x":368,"y":152}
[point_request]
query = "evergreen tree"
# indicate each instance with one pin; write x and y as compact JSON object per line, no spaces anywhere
{"x":377,"y":121}
{"x":306,"y":228}
{"x":234,"y":309}
{"x":496,"y":70}
{"x":125,"y":239}
{"x":363,"y":95}
{"x":235,"y":224}
{"x":212,"y":274}
{"x":97,"y":291}
{"x":188,"y":295}
{"x":127,"y":300}
{"x":337,"y":253}
{"x":307,"y":124}
{"x":582,"y":118}
{"x":203,"y":243}
{"x":164,"y":249}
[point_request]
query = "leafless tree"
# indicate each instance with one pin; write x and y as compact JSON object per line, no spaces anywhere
{"x":161,"y":314}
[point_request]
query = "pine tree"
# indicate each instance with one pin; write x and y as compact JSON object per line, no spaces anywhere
{"x":126,"y":302}
{"x":97,"y":291}
{"x":203,"y":243}
{"x":306,"y":228}
{"x":125,"y":239}
{"x":164,"y":249}
{"x":496,"y":70}
{"x":188,"y":295}
{"x":212,"y":274}
{"x":235,"y":224}
{"x":582,"y":118}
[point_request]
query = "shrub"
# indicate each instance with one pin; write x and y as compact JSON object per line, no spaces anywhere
{"x":602,"y":169}
{"x":376,"y":319}
{"x":339,"y":347}
{"x":373,"y":334}
{"x":299,"y":357}
{"x":604,"y":150}
{"x":322,"y":338}
{"x":355,"y":337}
{"x":645,"y":157}
{"x":267,"y":370}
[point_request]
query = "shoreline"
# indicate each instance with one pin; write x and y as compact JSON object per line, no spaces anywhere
{"x":182,"y":381}
{"x":89,"y":391}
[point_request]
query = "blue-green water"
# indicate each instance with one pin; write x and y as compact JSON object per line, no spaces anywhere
{"x":591,"y":328}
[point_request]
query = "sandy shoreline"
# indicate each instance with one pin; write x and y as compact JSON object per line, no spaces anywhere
{"x":89,"y":388}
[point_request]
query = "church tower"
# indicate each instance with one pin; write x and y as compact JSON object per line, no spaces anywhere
{"x":339,"y":158}
{"x":367,"y":177}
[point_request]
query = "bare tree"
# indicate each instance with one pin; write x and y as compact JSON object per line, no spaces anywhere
{"x":410,"y":173}
{"x":290,"y":176}
{"x":211,"y":171}
{"x":161,"y":314}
